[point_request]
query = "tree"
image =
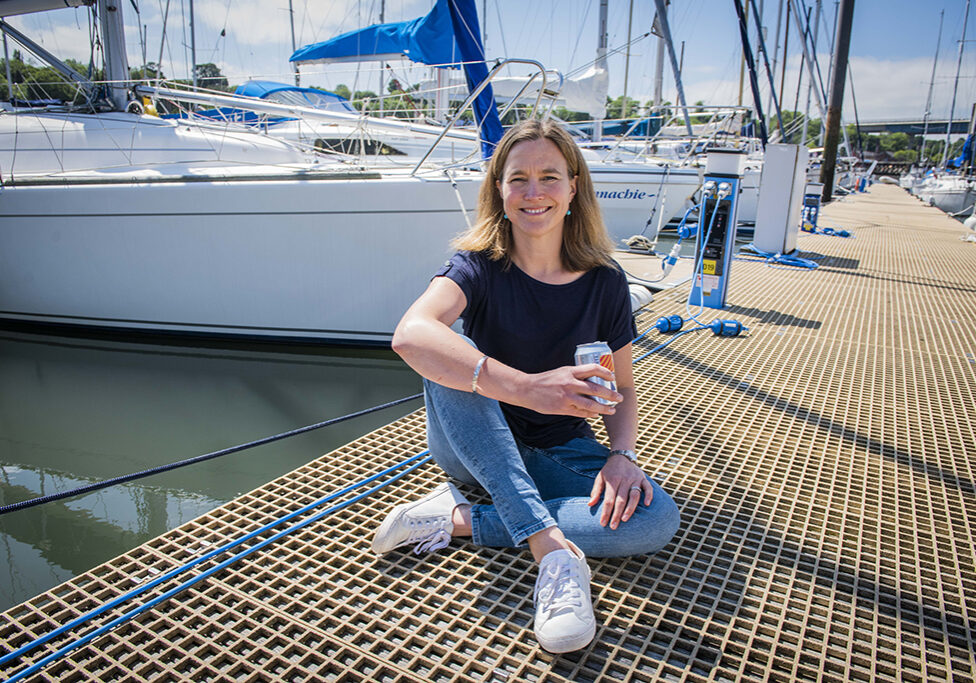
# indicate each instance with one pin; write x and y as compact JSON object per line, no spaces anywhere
{"x":147,"y":72}
{"x":209,"y":76}
{"x":894,"y":142}
{"x":566,"y":115}
{"x":615,"y":107}
{"x":38,"y":83}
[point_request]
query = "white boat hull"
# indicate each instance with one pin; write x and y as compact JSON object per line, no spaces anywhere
{"x":331,"y":260}
{"x":952,"y":194}
{"x":639,"y":199}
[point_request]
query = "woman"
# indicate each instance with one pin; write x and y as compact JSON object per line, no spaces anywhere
{"x":506,"y":406}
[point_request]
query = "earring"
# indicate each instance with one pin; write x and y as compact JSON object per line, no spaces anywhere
{"x":505,"y":216}
{"x":569,"y":212}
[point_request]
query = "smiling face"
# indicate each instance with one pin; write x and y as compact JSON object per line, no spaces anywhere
{"x":536,"y":189}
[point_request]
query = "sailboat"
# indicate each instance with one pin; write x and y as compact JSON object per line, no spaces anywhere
{"x":116,"y":220}
{"x":634,"y":193}
{"x":951,"y":192}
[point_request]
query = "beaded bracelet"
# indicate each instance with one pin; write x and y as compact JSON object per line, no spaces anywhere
{"x":477,"y":371}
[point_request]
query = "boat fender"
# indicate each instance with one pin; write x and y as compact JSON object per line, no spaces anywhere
{"x":640,"y":296}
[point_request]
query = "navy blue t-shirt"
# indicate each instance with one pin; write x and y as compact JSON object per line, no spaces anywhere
{"x":533,"y":326}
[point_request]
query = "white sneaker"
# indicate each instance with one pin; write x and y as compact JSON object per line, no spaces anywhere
{"x":564,"y":619}
{"x":425,"y":522}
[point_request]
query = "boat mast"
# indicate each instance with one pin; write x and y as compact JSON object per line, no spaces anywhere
{"x":601,"y":63}
{"x":838,"y":78}
{"x":928,"y":100}
{"x":779,"y":22}
{"x":382,"y":64}
{"x":662,"y":15}
{"x":193,"y":48}
{"x":816,"y":39}
{"x":630,"y":21}
{"x":294,"y":66}
{"x":113,"y":48}
{"x":659,"y":66}
{"x":955,"y":87}
{"x":6,"y":61}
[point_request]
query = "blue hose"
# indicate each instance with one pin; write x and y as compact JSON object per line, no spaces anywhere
{"x":155,"y":582}
{"x":418,"y":460}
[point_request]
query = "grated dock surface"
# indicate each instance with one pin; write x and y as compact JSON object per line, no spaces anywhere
{"x":824,"y":466}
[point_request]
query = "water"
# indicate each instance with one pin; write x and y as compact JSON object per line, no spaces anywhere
{"x":75,"y":411}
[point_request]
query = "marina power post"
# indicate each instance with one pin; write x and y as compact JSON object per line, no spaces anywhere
{"x":716,"y":227}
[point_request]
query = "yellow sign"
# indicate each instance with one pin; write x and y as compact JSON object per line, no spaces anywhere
{"x":708,"y":267}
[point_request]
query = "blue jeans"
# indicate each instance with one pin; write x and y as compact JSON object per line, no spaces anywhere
{"x":534,"y":488}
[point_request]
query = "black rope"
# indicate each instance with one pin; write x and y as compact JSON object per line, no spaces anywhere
{"x":190,"y":461}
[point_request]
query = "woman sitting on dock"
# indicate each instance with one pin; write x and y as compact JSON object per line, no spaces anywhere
{"x":506,"y":407}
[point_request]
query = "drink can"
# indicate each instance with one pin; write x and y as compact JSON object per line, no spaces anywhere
{"x":597,"y":352}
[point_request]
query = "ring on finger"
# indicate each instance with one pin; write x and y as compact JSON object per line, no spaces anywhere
{"x":636,"y":488}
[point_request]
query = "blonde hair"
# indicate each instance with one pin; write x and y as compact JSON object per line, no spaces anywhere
{"x":586,"y":243}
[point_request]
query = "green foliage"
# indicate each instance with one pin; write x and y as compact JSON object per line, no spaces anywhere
{"x":38,"y":82}
{"x":894,"y":142}
{"x":147,"y":72}
{"x":209,"y":76}
{"x":566,"y":115}
{"x":615,"y":107}
{"x":909,"y":155}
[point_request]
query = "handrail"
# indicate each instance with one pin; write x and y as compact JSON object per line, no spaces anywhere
{"x":477,"y":91}
{"x":264,"y":106}
{"x":551,"y":94}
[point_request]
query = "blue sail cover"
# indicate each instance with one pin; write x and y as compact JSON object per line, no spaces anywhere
{"x":449,"y":33}
{"x":964,"y":156}
{"x":427,"y":40}
{"x":467,"y":33}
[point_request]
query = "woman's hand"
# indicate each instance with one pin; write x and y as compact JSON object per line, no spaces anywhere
{"x":622,"y":485}
{"x":565,"y":391}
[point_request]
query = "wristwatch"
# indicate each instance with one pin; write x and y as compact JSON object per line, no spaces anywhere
{"x":627,"y":453}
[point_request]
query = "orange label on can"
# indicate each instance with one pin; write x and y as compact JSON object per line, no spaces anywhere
{"x":606,"y":360}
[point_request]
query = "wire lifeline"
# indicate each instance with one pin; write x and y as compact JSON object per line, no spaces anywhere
{"x":424,"y":457}
{"x":217,"y":551}
{"x":21,"y":505}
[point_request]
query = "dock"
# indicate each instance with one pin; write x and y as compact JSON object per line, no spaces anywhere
{"x":824,"y":465}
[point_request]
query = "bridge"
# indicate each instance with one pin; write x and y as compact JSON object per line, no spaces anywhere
{"x":914,"y":126}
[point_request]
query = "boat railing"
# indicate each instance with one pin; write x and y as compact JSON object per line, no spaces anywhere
{"x":473,"y":95}
{"x":218,"y":99}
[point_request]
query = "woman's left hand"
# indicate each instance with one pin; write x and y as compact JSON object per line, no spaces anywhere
{"x":622,"y":485}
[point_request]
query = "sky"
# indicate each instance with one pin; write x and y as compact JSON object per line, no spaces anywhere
{"x":892,"y":54}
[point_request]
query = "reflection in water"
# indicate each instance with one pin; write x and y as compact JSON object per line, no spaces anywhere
{"x":76,"y":411}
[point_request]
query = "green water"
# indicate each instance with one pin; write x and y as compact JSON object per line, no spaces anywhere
{"x":75,"y":411}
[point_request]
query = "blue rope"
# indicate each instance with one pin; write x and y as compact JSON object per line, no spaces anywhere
{"x":780,"y":259}
{"x":186,"y":584}
{"x":671,"y":339}
{"x":423,"y":456}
